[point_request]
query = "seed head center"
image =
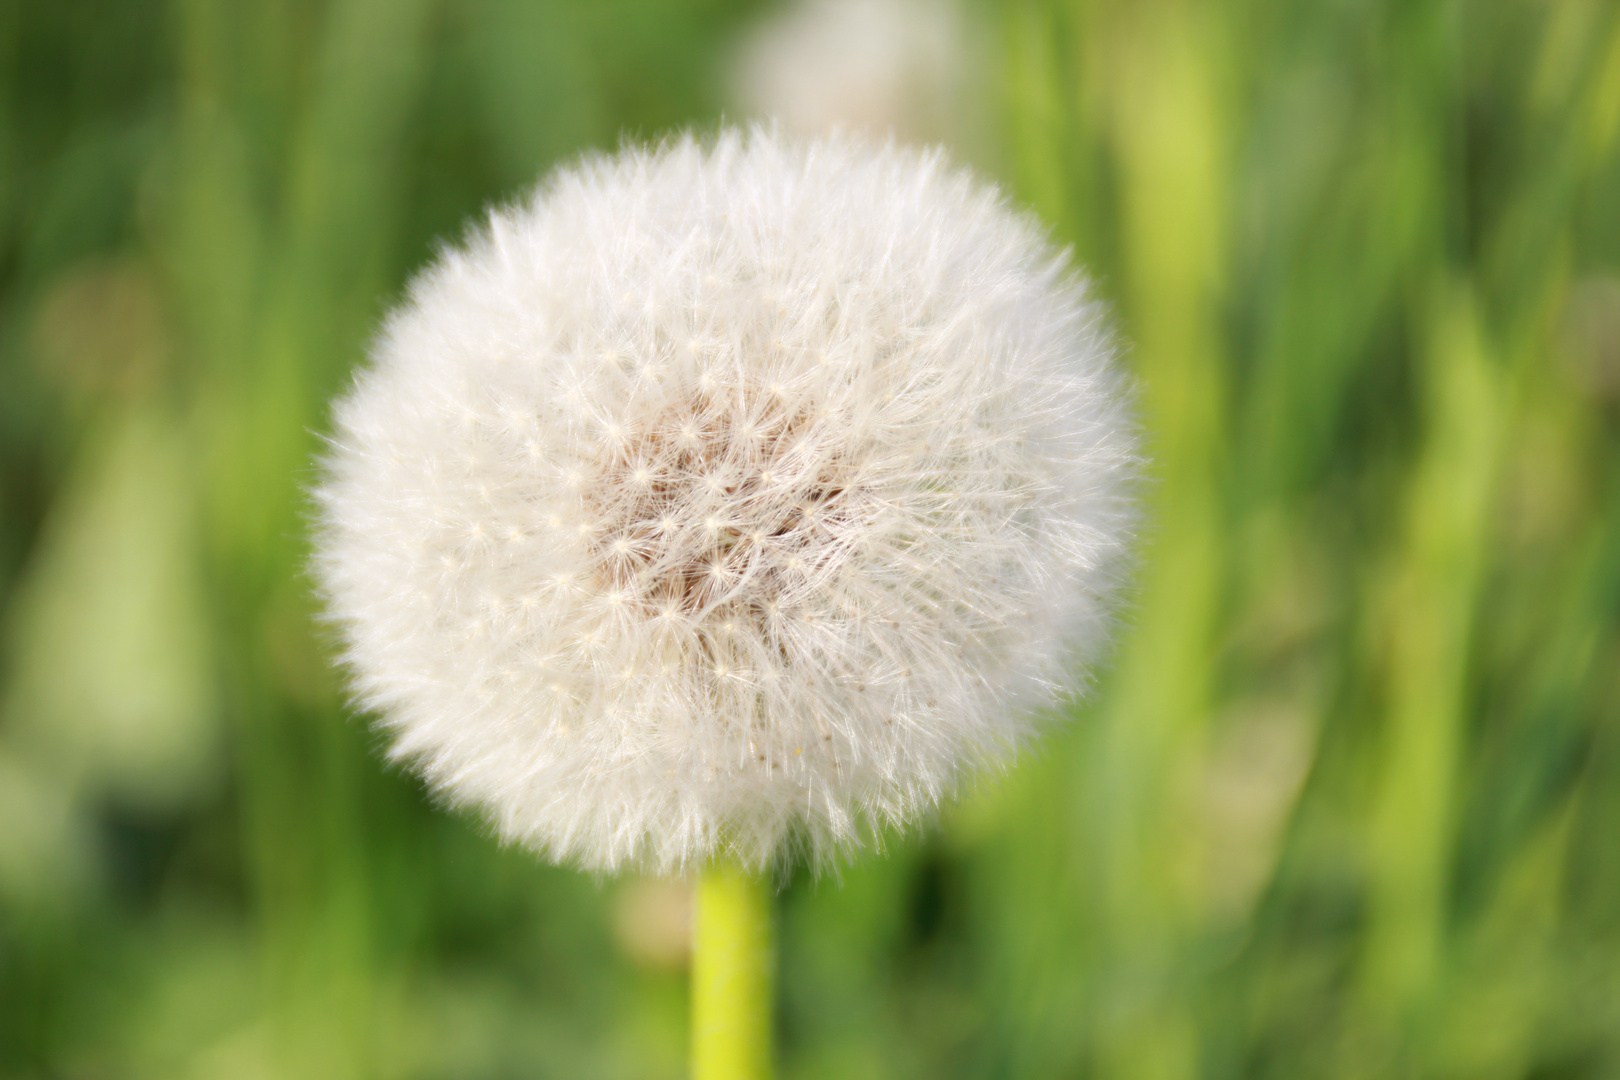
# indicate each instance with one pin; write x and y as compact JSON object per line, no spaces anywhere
{"x":717,"y":509}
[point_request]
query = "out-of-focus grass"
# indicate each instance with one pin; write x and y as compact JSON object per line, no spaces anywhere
{"x":1345,"y":803}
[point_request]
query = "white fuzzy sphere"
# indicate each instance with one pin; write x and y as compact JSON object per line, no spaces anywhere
{"x":722,"y":496}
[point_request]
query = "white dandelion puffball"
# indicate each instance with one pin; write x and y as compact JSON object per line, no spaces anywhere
{"x":727,"y":496}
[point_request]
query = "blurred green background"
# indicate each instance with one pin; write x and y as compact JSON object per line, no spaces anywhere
{"x":1346,"y":802}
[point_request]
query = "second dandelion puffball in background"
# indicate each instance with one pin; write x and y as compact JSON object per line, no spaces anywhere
{"x":725,"y":493}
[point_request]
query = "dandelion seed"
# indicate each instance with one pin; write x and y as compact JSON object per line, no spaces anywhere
{"x":903,"y":524}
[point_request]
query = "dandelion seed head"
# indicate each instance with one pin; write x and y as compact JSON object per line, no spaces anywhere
{"x":859,"y":535}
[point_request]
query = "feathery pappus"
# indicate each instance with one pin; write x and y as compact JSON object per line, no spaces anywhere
{"x":725,"y":495}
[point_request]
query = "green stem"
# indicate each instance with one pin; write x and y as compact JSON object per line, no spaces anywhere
{"x":731,"y":976}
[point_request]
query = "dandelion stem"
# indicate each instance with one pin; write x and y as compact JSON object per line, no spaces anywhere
{"x":731,"y":976}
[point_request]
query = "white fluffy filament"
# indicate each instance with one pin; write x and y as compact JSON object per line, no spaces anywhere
{"x":727,"y":494}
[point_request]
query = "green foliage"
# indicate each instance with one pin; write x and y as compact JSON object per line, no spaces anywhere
{"x":1345,"y":804}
